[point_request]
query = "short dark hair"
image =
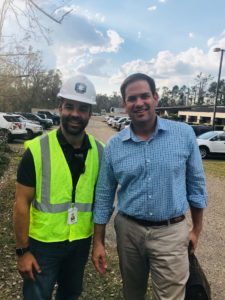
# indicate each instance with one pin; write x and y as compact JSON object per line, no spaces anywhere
{"x":135,"y":77}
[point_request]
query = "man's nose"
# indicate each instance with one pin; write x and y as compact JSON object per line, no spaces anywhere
{"x":75,"y":111}
{"x":138,"y":101}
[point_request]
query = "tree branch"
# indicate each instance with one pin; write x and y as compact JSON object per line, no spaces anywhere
{"x":48,"y":15}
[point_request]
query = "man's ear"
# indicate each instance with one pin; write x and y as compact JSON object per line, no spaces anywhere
{"x":60,"y":108}
{"x":90,"y":112}
{"x":60,"y":105}
{"x":156,"y":98}
{"x":124,"y":106}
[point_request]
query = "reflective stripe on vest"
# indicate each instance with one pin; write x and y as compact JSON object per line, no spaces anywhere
{"x":56,"y":208}
{"x":44,"y":205}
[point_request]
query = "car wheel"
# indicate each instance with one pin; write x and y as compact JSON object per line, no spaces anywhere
{"x":30,"y":134}
{"x":204,"y":152}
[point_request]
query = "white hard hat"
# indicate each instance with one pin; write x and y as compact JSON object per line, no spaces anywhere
{"x":78,"y":88}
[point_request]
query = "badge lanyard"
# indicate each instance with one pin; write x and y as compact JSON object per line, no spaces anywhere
{"x":72,"y":211}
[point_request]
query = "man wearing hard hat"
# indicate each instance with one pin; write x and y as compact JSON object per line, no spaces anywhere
{"x":54,"y":198}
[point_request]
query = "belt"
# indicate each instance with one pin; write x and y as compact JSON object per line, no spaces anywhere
{"x":155,"y":223}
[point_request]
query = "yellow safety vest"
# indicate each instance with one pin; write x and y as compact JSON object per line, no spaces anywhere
{"x":53,"y":198}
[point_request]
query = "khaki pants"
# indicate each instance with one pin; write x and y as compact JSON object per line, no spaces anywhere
{"x":159,"y":250}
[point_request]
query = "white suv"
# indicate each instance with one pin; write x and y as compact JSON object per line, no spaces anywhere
{"x":32,"y":128}
{"x":11,"y":127}
{"x":211,"y":142}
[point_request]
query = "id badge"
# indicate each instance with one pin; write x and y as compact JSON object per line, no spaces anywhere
{"x":72,"y":215}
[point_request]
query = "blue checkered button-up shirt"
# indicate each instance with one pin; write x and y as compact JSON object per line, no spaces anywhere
{"x":157,"y":179}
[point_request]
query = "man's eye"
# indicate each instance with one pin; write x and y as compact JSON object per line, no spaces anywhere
{"x":84,"y":108}
{"x":144,"y":96}
{"x":68,"y":107}
{"x":131,"y":98}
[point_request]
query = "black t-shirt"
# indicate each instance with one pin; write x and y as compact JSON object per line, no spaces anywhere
{"x":74,"y":157}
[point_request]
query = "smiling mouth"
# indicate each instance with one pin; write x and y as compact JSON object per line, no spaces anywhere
{"x":74,"y":123}
{"x":141,"y":111}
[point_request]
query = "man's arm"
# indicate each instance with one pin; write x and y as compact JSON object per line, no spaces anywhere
{"x":197,"y":221}
{"x":98,"y":250}
{"x":21,"y":221}
{"x":103,"y":209}
{"x":196,"y":191}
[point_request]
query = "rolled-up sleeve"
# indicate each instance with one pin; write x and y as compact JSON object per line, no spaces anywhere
{"x":195,"y":177}
{"x":105,"y":190}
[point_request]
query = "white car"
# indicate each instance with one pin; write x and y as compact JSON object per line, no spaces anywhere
{"x":32,"y":128}
{"x":211,"y":142}
{"x":125,"y":124}
{"x":118,"y":123}
{"x":112,"y":120}
{"x":11,"y":127}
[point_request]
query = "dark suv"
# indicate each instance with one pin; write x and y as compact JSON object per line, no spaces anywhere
{"x":50,"y":115}
{"x":45,"y":123}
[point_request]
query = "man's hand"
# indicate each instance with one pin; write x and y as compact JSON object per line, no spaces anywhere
{"x":99,"y":258}
{"x":197,"y":219}
{"x":193,"y":237}
{"x":26,"y":265}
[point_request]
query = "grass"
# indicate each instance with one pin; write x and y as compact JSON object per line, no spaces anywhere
{"x":4,"y":161}
{"x":107,"y":286}
{"x":215,"y":167}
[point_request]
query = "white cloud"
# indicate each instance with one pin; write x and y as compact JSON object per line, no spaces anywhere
{"x":169,"y":68}
{"x":78,"y":40}
{"x":114,"y":42}
{"x":152,"y":8}
{"x":162,"y":1}
{"x":217,"y":42}
{"x":77,"y":10}
{"x":94,"y":67}
{"x":191,"y":35}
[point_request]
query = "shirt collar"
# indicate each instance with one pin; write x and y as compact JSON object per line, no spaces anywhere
{"x":128,"y":133}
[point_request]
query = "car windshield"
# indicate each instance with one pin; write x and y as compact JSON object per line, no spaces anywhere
{"x":207,"y":135}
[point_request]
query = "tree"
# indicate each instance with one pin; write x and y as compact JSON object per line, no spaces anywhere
{"x":183,"y":95}
{"x":34,"y":24}
{"x":202,"y":82}
{"x":212,"y":90}
{"x":44,"y":89}
{"x":24,"y":83}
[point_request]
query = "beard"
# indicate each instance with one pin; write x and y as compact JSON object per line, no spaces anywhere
{"x":74,"y":129}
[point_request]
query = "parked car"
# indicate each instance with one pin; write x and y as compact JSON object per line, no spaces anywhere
{"x":51,"y":115}
{"x":11,"y":127}
{"x":32,"y":128}
{"x":112,"y":119}
{"x":211,"y":142}
{"x":45,"y":123}
{"x":200,"y":129}
{"x":125,"y":124}
{"x":118,"y":123}
{"x":109,"y":121}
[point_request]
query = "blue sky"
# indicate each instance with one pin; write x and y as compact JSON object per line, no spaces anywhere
{"x":171,"y":40}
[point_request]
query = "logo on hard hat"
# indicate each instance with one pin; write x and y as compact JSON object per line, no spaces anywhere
{"x":80,"y":88}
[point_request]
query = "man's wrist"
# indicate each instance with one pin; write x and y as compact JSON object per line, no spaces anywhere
{"x":22,"y":251}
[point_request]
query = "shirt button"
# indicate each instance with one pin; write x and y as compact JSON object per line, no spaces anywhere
{"x":149,"y":178}
{"x":150,"y":214}
{"x":147,"y":160}
{"x":149,"y":196}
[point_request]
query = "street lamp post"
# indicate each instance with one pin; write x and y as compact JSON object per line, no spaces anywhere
{"x":218,"y":82}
